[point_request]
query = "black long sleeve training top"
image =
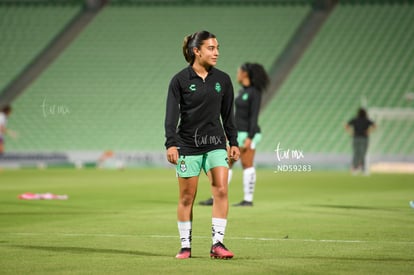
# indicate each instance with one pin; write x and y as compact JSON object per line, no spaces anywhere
{"x":199,"y":105}
{"x":361,"y":126}
{"x":247,"y":110}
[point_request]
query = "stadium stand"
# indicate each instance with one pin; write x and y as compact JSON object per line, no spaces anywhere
{"x":25,"y":31}
{"x":108,"y":89}
{"x":362,"y":55}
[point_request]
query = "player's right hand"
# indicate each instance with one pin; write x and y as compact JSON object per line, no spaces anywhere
{"x":234,"y":153}
{"x":172,"y":155}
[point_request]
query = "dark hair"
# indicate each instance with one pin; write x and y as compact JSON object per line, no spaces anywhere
{"x":257,"y":75}
{"x":6,"y":109}
{"x":194,"y":40}
{"x":362,"y":113}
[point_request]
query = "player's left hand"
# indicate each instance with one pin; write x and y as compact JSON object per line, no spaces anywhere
{"x":172,"y":155}
{"x":234,"y":153}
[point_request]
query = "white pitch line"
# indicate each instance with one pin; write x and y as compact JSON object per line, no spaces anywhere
{"x":109,"y":235}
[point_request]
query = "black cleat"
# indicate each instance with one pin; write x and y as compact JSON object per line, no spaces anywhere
{"x":207,"y":202}
{"x":244,"y":203}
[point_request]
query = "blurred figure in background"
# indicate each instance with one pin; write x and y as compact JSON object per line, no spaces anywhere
{"x":254,"y":81}
{"x":360,"y":127}
{"x":4,"y":114}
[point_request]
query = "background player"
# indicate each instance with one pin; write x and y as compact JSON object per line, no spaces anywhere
{"x":4,"y":114}
{"x":360,"y":128}
{"x":254,"y":81}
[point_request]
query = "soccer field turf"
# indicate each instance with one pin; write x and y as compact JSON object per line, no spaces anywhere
{"x":124,"y":222}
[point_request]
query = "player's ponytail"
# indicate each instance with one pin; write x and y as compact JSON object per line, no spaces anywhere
{"x":187,"y":49}
{"x":192,"y":41}
{"x":257,"y":75}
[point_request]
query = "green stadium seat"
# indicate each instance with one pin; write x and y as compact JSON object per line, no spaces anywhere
{"x":361,"y":51}
{"x":114,"y":77}
{"x":25,"y":31}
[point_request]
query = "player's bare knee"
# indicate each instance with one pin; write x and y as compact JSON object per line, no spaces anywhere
{"x":186,"y":200}
{"x":220,"y":192}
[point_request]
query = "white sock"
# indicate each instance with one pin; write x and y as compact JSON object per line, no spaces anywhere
{"x":218,"y":228}
{"x":249,"y":182}
{"x":184,"y":228}
{"x":229,"y":176}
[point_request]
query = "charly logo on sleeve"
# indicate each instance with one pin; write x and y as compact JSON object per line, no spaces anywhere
{"x":218,"y":87}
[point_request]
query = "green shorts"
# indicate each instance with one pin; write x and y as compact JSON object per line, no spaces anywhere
{"x":241,"y":137}
{"x":190,"y":166}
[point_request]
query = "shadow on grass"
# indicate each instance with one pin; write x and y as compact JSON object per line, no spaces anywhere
{"x":54,"y":213}
{"x":351,"y":207}
{"x":359,"y":259}
{"x":86,"y":250}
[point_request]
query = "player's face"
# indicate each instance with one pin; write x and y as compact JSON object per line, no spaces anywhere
{"x":241,"y":75}
{"x":209,"y":52}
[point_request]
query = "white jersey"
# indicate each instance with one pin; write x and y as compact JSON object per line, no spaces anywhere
{"x":3,"y":122}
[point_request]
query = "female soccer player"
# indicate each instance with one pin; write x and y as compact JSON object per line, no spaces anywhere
{"x":254,"y":81}
{"x":201,"y":98}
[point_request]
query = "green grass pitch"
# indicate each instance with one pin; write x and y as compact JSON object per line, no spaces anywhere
{"x":124,"y":222}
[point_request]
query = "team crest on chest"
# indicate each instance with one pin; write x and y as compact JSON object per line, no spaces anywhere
{"x":218,"y":87}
